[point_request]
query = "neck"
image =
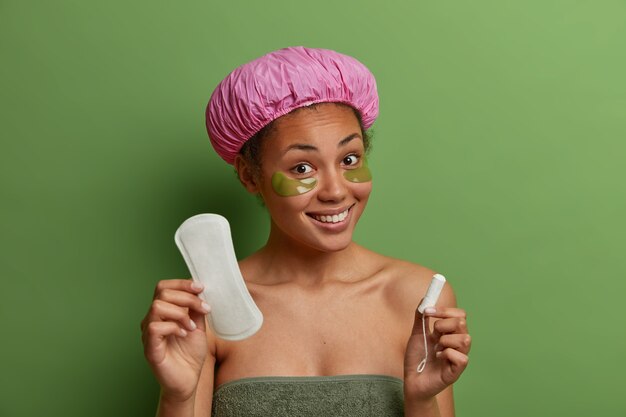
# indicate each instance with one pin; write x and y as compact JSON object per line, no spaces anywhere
{"x":286,"y":260}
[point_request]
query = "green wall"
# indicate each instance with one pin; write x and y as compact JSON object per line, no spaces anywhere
{"x":499,"y":160}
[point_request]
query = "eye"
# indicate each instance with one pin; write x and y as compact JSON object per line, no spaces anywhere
{"x":351,"y":160}
{"x":302,"y":169}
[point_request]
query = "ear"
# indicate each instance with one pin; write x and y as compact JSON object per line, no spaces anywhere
{"x":245,"y":174}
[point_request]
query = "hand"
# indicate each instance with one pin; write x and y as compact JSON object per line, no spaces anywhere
{"x":174,"y":336}
{"x":448,"y":347}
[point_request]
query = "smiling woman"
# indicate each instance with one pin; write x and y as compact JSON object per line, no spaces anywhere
{"x":341,"y":334}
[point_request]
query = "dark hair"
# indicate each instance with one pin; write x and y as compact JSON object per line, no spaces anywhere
{"x":251,"y":149}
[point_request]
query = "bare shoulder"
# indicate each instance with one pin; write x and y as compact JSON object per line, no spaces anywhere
{"x":407,"y":282}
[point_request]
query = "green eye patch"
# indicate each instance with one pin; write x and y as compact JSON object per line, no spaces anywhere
{"x":287,"y":187}
{"x":361,"y":174}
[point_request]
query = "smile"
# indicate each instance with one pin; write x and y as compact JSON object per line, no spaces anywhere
{"x":331,"y":218}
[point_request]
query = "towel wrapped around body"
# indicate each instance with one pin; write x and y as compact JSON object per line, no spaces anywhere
{"x":303,"y":396}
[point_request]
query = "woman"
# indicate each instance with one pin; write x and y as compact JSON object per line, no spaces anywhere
{"x":341,"y":332}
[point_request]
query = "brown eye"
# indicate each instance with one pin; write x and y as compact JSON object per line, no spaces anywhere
{"x":350,"y":160}
{"x":302,"y":169}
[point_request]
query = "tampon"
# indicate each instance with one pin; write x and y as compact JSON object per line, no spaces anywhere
{"x":432,"y":295}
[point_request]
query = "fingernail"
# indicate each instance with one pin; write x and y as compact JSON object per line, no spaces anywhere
{"x":430,"y":310}
{"x":183,"y":333}
{"x":192,"y":324}
{"x":197,"y":286}
{"x":438,"y":354}
{"x":206,"y":307}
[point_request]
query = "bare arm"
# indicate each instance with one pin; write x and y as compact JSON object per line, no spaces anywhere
{"x":204,"y":392}
{"x":180,"y":348}
{"x":199,"y":404}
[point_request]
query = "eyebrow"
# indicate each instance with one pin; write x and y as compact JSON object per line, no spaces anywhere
{"x":307,"y":147}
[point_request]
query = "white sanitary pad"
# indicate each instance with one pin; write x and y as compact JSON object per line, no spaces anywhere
{"x":206,"y":244}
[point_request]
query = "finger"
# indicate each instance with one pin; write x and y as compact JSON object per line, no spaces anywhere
{"x":459,"y":342}
{"x":198,"y":319}
{"x":417,"y":321}
{"x":447,"y":326}
{"x":164,"y":311}
{"x":158,"y":330}
{"x":457,"y":361}
{"x":446,"y":312}
{"x":155,"y":335}
{"x":184,"y":299}
{"x":178,"y":284}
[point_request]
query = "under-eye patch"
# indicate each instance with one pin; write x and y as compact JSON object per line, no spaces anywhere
{"x":360,"y":174}
{"x":288,"y":187}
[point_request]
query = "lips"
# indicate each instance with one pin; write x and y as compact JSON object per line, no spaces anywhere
{"x":330,"y":216}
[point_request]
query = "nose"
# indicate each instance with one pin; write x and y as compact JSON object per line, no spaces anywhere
{"x":332,"y":187}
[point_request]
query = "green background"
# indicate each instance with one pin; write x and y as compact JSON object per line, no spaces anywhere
{"x":499,"y":160}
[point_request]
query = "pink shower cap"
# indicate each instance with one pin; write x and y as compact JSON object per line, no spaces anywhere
{"x":262,"y":90}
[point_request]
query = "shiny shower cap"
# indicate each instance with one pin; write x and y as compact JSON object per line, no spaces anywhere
{"x":264,"y":89}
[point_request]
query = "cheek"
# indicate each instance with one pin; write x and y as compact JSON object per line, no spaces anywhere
{"x":361,"y":191}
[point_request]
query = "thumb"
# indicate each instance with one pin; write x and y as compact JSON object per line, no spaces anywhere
{"x":417,"y":322}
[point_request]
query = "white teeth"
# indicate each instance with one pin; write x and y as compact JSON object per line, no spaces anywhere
{"x":336,"y":218}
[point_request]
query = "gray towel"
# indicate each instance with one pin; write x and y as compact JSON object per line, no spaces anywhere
{"x":318,"y":396}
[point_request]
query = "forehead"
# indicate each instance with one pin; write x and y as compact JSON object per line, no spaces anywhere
{"x":324,"y":120}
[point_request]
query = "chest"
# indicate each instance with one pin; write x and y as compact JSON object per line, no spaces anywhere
{"x":340,"y":332}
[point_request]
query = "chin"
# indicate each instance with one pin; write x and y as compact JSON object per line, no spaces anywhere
{"x":303,"y":229}
{"x":331,"y":246}
{"x":329,"y":242}
{"x":315,"y":241}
